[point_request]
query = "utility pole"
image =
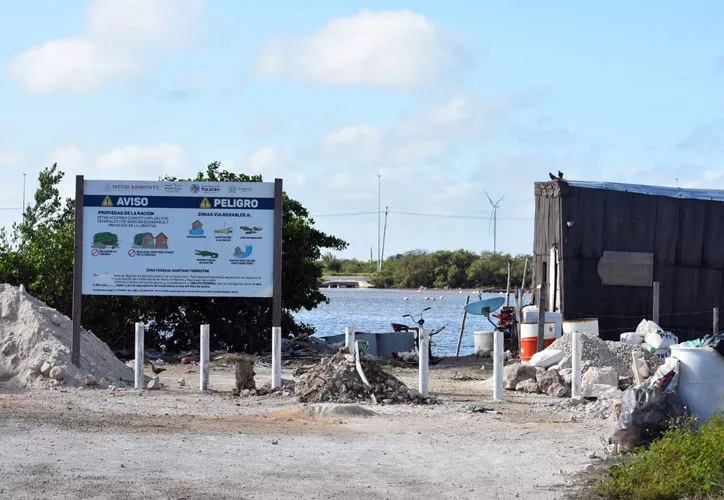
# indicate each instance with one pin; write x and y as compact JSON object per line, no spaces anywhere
{"x":384,"y":235}
{"x":379,"y":219}
{"x":23,"y":209}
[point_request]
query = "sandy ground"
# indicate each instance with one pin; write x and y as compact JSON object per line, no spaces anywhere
{"x":180,"y":443}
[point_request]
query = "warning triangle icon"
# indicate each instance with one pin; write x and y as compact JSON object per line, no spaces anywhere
{"x":205,"y":203}
{"x":107,"y":202}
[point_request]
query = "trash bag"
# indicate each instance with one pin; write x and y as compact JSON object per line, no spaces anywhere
{"x":714,"y":340}
{"x":645,"y":414}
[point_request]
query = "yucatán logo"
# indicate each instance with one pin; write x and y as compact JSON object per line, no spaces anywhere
{"x":200,"y":188}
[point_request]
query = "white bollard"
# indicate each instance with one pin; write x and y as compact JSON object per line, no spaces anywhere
{"x":498,"y":362}
{"x":424,"y":362}
{"x":140,"y":354}
{"x":204,"y":359}
{"x":349,"y":339}
{"x":576,"y":364}
{"x":276,"y":380}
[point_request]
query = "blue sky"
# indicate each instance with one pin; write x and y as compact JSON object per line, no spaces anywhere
{"x":445,"y":101}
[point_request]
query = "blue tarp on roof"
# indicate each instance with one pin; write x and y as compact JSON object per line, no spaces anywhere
{"x":671,"y":192}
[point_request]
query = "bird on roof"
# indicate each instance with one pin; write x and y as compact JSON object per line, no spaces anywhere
{"x":556,"y":178}
{"x":560,"y":175}
{"x":553,"y":177}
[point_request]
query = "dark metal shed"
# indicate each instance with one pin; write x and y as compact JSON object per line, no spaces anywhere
{"x":599,"y":246}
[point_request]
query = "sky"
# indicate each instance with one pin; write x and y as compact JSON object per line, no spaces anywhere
{"x":425,"y":109}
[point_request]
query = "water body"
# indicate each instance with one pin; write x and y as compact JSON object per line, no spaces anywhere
{"x":372,"y":310}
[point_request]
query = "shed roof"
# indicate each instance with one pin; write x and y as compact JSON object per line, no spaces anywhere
{"x":670,"y":192}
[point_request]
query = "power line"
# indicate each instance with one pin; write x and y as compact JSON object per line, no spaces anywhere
{"x":422,"y":214}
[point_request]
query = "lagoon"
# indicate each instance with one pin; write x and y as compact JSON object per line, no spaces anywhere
{"x":373,"y":310}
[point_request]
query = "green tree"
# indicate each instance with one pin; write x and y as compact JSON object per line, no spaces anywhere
{"x":38,"y":251}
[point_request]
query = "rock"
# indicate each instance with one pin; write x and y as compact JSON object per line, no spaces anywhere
{"x":527,"y":385}
{"x":181,"y":382}
{"x":594,"y":378}
{"x":154,"y":383}
{"x":602,"y":391}
{"x":388,"y":401}
{"x":45,"y":368}
{"x":90,"y":381}
{"x":516,"y":373}
{"x":58,"y":372}
{"x":104,"y":382}
{"x":551,"y":383}
{"x":567,"y":375}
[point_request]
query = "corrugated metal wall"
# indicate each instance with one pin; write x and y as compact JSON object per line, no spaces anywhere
{"x":547,"y":227}
{"x":686,"y":237}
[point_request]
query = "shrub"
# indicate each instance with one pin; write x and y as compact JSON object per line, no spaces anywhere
{"x":687,"y":462}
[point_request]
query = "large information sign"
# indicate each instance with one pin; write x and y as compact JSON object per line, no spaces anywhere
{"x":202,"y":239}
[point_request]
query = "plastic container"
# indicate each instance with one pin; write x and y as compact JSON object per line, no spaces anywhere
{"x":701,"y":379}
{"x":484,"y":342}
{"x":530,"y":315}
{"x":587,"y":326}
{"x":529,"y":338}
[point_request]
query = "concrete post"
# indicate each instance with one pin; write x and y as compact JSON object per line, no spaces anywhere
{"x":140,"y":354}
{"x":204,"y":359}
{"x":276,"y":380}
{"x":498,"y":363}
{"x":349,"y":339}
{"x":576,"y":364}
{"x":424,"y":362}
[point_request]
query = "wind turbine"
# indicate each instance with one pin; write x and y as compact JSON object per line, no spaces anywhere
{"x":494,"y":218}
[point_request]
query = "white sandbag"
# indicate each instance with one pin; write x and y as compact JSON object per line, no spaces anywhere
{"x":546,"y":358}
{"x":647,"y":326}
{"x":661,"y":339}
{"x":631,"y":338}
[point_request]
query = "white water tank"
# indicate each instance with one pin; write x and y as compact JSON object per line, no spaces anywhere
{"x":701,"y":379}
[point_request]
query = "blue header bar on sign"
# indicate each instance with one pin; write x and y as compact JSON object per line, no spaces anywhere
{"x":201,"y":202}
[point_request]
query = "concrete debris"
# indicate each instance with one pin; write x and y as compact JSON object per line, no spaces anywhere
{"x":335,"y":379}
{"x":552,"y":384}
{"x":154,"y":383}
{"x":181,"y":382}
{"x":58,"y":372}
{"x":597,"y":382}
{"x":90,"y":381}
{"x":515,"y":373}
{"x":45,"y":368}
{"x":528,"y":385}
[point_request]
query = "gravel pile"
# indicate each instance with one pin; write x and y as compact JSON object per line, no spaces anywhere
{"x":623,"y":352}
{"x":335,"y":379}
{"x":601,"y":353}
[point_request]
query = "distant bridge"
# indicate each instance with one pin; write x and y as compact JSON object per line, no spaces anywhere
{"x":345,"y":282}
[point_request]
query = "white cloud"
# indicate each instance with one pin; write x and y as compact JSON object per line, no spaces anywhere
{"x":69,"y":159}
{"x":267,"y":159}
{"x":9,"y":159}
{"x":120,"y":40}
{"x":399,"y":49}
{"x":140,"y":162}
{"x":356,"y":135}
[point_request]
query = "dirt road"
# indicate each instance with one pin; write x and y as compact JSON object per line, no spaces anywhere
{"x":180,"y":443}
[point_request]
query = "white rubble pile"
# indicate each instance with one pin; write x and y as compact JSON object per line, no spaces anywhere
{"x":600,"y":353}
{"x":35,"y":348}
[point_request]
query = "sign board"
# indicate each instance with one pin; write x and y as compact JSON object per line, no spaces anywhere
{"x":626,"y":268}
{"x":199,"y":239}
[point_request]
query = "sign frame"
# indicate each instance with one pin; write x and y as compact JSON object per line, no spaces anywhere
{"x":276,"y":261}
